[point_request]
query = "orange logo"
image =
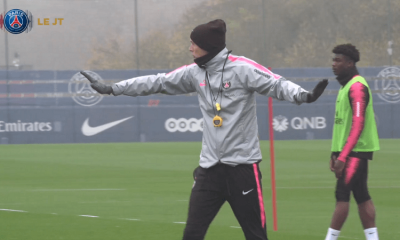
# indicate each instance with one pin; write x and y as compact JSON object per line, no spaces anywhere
{"x":46,"y":21}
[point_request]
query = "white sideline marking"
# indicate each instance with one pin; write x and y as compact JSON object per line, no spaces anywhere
{"x":378,"y":187}
{"x":12,"y":210}
{"x":59,"y":190}
{"x":88,"y":216}
{"x":180,"y":222}
{"x":131,"y":219}
{"x":114,"y":201}
{"x":235,"y":227}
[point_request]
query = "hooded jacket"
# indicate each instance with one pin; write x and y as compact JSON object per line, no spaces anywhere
{"x":236,"y":141}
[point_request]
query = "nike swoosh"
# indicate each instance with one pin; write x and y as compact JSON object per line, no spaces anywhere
{"x":90,"y":131}
{"x":244,"y":193}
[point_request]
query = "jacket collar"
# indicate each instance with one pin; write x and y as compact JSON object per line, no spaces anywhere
{"x":217,"y":62}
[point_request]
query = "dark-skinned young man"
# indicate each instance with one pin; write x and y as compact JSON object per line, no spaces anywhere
{"x":355,"y":138}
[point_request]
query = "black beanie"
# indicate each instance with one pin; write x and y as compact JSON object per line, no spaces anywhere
{"x":210,"y":36}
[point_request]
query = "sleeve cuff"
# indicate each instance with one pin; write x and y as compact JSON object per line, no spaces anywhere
{"x":115,"y":90}
{"x":304,"y":96}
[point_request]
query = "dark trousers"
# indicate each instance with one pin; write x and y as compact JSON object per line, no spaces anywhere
{"x":240,"y":186}
{"x":354,"y":179}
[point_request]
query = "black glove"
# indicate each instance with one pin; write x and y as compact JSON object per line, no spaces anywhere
{"x":317,"y":91}
{"x":98,"y":86}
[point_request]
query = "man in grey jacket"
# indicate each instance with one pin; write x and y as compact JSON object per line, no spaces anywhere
{"x":226,"y":86}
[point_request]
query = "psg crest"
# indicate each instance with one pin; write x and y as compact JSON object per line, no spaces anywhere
{"x":81,"y":91}
{"x":226,"y":85}
{"x":388,"y":84}
{"x":17,"y":21}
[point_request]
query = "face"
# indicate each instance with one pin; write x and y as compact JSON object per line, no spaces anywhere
{"x":341,"y":64}
{"x":196,"y":50}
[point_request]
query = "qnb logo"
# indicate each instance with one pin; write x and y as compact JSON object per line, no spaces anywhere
{"x":388,"y":84}
{"x":281,"y":123}
{"x":306,"y":123}
{"x":184,"y":125}
{"x":17,"y":21}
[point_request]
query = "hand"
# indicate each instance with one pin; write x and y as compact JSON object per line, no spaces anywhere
{"x":338,"y":167}
{"x":96,"y":85}
{"x":317,"y":91}
{"x":332,"y":163}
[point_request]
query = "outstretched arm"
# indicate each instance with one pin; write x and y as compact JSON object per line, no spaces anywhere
{"x":176,"y":82}
{"x":263,"y":81}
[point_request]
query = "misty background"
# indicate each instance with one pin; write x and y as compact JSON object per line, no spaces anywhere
{"x":122,"y":39}
{"x":154,"y":34}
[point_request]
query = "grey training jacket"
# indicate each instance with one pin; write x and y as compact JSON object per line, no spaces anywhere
{"x":236,"y":141}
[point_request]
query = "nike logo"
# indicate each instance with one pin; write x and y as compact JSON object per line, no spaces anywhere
{"x":90,"y":131}
{"x":245,"y":193}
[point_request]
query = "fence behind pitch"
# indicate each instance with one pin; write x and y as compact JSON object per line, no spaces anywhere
{"x":56,"y":107}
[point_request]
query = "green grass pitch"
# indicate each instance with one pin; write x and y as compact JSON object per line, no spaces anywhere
{"x":141,"y":191}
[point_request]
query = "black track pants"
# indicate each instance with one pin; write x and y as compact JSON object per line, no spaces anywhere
{"x":240,"y":186}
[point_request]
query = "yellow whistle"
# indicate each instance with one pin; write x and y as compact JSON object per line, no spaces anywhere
{"x":218,"y":106}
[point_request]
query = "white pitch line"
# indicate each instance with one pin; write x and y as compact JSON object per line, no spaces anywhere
{"x":115,"y":201}
{"x":235,"y":227}
{"x":130,"y":219}
{"x":376,"y":187}
{"x":180,"y":222}
{"x":12,"y":210}
{"x":88,"y":216}
{"x":94,"y":189}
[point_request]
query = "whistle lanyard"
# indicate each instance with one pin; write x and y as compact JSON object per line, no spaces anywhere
{"x":217,"y":106}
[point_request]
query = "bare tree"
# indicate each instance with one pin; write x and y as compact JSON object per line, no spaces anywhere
{"x":295,"y":33}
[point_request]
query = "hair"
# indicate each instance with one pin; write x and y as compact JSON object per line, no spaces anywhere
{"x":348,"y":50}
